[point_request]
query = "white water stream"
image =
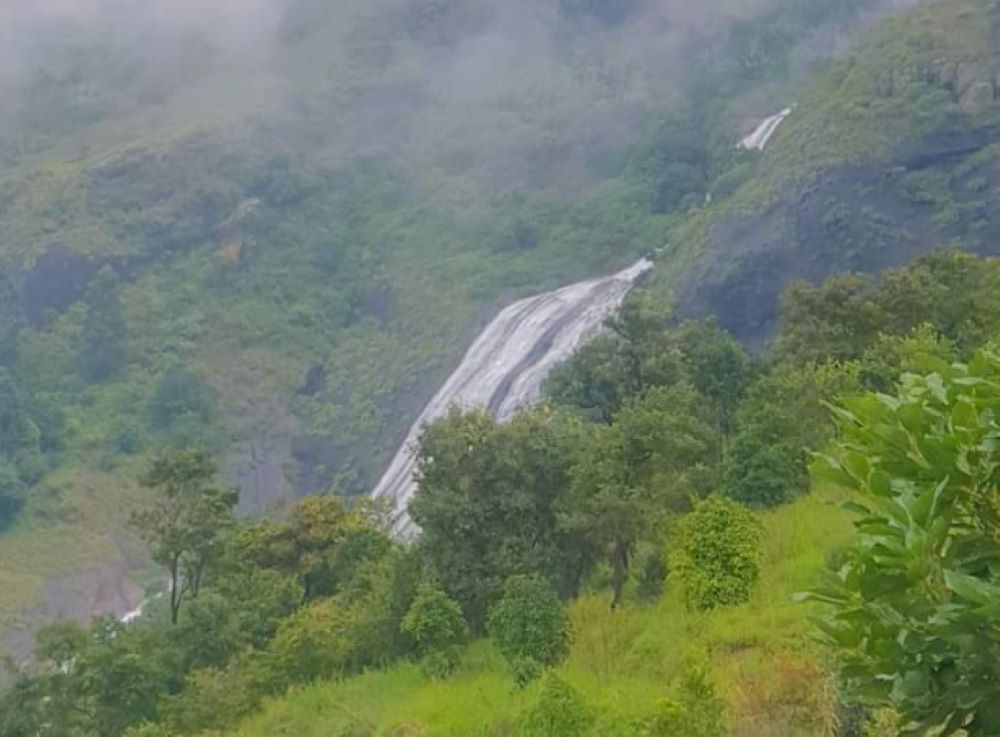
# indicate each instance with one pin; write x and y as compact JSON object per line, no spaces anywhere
{"x":506,"y":365}
{"x":757,"y":140}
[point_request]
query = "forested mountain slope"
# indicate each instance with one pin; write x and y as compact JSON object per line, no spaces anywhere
{"x":273,"y":232}
{"x":249,"y":255}
{"x":890,"y":155}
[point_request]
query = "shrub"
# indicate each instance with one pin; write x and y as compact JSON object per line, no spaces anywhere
{"x":435,"y":624}
{"x":559,"y":712}
{"x":529,"y":626}
{"x":716,"y":555}
{"x":915,"y":605}
{"x":312,"y":644}
{"x":696,"y":710}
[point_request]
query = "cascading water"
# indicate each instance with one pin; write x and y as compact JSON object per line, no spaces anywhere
{"x":506,"y":365}
{"x":757,"y":140}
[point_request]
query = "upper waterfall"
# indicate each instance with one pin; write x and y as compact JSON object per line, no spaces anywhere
{"x":506,"y":365}
{"x":757,"y":140}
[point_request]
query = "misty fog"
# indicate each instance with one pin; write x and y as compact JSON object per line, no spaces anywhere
{"x":477,"y":86}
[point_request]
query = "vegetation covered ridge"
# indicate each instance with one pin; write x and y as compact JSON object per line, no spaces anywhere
{"x":620,"y":560}
{"x":204,"y":243}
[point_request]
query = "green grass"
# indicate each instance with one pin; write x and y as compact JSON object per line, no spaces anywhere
{"x":74,"y":524}
{"x":766,"y":660}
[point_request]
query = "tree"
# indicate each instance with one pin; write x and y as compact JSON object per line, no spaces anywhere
{"x":12,"y":492}
{"x":96,"y":681}
{"x":835,"y":321}
{"x":486,"y":501}
{"x":780,"y":419}
{"x":651,"y":461}
{"x":763,"y":469}
{"x":315,"y":643}
{"x":21,"y":460}
{"x":891,"y":356}
{"x":529,"y":626}
{"x":185,"y":523}
{"x":325,"y":545}
{"x":638,"y":352}
{"x":716,"y":365}
{"x":435,"y":624}
{"x":914,"y":605}
{"x":213,"y":699}
{"x":956,"y":293}
{"x":715,"y":554}
{"x":102,"y":354}
{"x":11,"y":321}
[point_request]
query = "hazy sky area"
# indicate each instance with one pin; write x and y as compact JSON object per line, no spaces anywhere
{"x":475,"y":83}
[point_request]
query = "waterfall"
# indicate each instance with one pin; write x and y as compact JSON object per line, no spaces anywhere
{"x":757,"y":140}
{"x":506,"y":365}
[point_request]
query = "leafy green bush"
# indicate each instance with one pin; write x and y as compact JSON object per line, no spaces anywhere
{"x":435,"y":624}
{"x":696,"y":710}
{"x":529,"y":626}
{"x":761,"y":468}
{"x":313,"y":644}
{"x":559,"y":712}
{"x":915,"y":604}
{"x":715,"y":555}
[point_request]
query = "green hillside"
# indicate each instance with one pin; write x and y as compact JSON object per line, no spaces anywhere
{"x":245,"y":253}
{"x":887,"y":156}
{"x":307,"y":222}
{"x":765,"y":661}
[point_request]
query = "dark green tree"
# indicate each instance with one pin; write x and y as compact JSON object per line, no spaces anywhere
{"x":186,"y":521}
{"x":716,"y":365}
{"x":529,"y":626}
{"x":638,"y":352}
{"x":11,"y":321}
{"x":835,"y":321}
{"x":650,"y":462}
{"x":764,"y":466}
{"x":781,"y":419}
{"x":21,"y":460}
{"x":95,"y":681}
{"x":486,"y":503}
{"x":103,"y":351}
{"x":12,"y":492}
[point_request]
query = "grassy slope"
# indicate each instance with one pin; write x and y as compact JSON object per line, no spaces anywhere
{"x":765,"y":659}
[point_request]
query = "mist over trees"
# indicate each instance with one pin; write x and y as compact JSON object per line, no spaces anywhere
{"x":437,"y":79}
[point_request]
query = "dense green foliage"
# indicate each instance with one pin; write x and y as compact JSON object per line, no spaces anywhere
{"x":185,"y":524}
{"x":716,"y":554}
{"x":104,"y":336}
{"x":916,"y":598}
{"x":21,"y":462}
{"x":557,"y":503}
{"x":273,"y":281}
{"x":560,"y":712}
{"x":487,"y":504}
{"x":529,"y":626}
{"x":435,"y":624}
